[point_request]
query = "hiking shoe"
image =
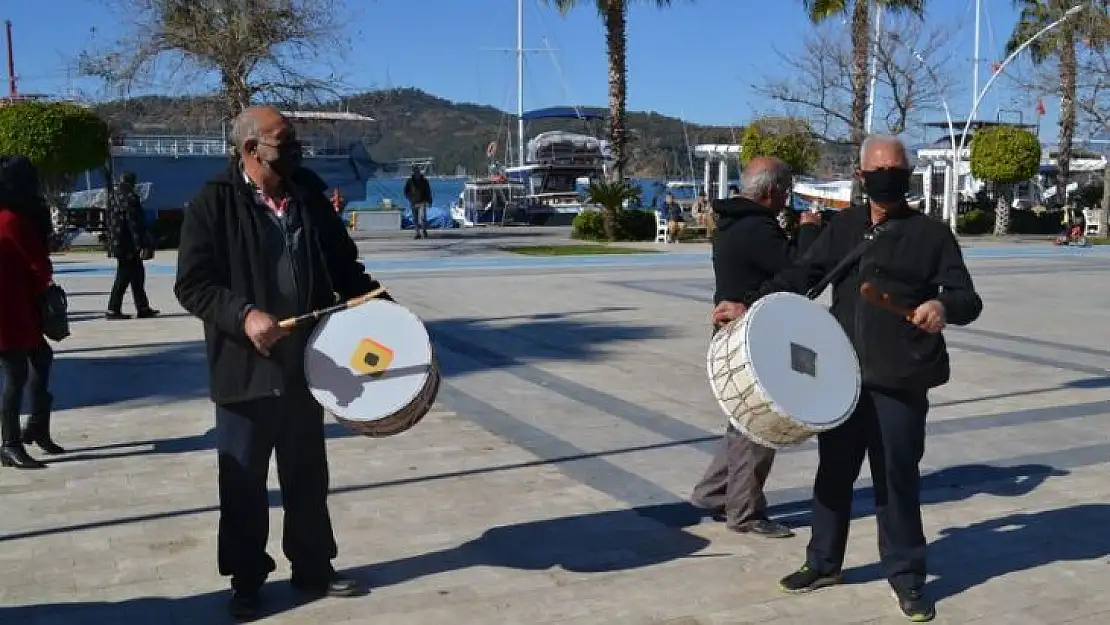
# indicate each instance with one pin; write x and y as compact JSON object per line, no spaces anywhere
{"x":244,"y":606}
{"x":914,"y":605}
{"x":764,"y":527}
{"x":806,"y":579}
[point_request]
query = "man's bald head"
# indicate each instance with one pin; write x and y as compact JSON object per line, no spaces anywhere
{"x":258,"y":124}
{"x":766,"y":180}
{"x":883,"y":152}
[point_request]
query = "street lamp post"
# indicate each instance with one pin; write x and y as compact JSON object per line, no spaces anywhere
{"x":949,"y":191}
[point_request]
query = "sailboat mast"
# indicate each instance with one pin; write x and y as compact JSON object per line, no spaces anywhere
{"x":520,"y":81}
{"x":874,"y":69}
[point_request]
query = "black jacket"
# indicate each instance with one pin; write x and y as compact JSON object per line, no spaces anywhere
{"x":750,"y":247}
{"x":127,"y":230}
{"x":916,"y":261}
{"x":222,"y":270}
{"x":418,"y":190}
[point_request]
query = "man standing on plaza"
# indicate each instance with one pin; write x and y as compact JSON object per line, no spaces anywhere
{"x":418,"y":191}
{"x":259,"y":243}
{"x":130,"y":243}
{"x":749,"y":249}
{"x":916,"y":261}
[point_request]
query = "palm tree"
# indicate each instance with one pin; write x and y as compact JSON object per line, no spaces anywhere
{"x":1088,"y":26}
{"x":614,"y":14}
{"x":859,"y":10}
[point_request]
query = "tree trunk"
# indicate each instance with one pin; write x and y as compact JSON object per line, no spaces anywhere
{"x":609,"y":221}
{"x":861,"y":49}
{"x":615,"y":41}
{"x":1067,"y":109}
{"x":1002,"y":214}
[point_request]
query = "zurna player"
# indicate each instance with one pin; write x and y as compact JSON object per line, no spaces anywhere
{"x":917,"y":261}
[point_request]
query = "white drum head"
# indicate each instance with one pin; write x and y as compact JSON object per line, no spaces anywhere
{"x":801,"y":358}
{"x":376,"y":333}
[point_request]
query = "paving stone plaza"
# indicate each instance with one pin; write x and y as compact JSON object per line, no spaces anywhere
{"x":547,"y":485}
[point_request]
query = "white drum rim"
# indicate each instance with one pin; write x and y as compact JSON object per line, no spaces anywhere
{"x":336,"y":411}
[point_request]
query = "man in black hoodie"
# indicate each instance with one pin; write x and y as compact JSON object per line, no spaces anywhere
{"x":749,"y":249}
{"x":917,"y":262}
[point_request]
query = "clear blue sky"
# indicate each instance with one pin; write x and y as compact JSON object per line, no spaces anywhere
{"x":697,"y":60}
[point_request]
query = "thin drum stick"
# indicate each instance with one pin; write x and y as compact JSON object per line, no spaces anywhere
{"x":293,"y":322}
{"x":882,"y":300}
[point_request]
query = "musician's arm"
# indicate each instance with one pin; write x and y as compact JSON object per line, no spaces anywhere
{"x":801,"y":275}
{"x":962,"y":304}
{"x":348,"y":275}
{"x":201,"y":285}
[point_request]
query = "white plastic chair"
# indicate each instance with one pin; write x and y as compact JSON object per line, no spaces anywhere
{"x":660,"y":228}
{"x":1091,"y":218}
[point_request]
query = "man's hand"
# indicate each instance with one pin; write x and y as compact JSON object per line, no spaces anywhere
{"x":810,"y":218}
{"x":929,"y":316}
{"x":263,"y":330}
{"x":726,"y":311}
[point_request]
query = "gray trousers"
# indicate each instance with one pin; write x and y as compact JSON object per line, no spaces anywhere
{"x":734,"y":481}
{"x":420,"y":216}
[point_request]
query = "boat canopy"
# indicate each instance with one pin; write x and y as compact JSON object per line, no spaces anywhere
{"x":567,"y":148}
{"x":566,"y":112}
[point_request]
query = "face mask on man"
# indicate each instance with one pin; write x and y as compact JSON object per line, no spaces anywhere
{"x":287,"y":160}
{"x":888,"y":185}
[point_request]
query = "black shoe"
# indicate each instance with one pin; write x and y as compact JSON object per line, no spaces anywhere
{"x":244,"y":606}
{"x":417,"y":235}
{"x":16,"y":456}
{"x":148,"y":313}
{"x":764,"y":527}
{"x":45,"y":443}
{"x":112,"y":315}
{"x":806,"y":579}
{"x":914,"y":605}
{"x":336,"y":586}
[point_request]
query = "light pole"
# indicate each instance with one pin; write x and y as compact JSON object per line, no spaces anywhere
{"x":949,"y":191}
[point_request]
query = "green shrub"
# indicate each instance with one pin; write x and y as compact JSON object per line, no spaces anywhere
{"x":975,"y":221}
{"x":1005,"y":155}
{"x":978,"y":221}
{"x":632,"y":225}
{"x":788,"y":138}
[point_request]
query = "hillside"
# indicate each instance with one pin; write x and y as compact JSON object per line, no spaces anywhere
{"x":412,"y":123}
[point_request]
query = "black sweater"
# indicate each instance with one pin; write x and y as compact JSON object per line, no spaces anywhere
{"x":916,"y":261}
{"x":226,"y":264}
{"x":750,"y":247}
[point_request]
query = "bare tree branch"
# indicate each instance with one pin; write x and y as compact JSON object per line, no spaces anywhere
{"x":256,"y":50}
{"x":817,"y":86}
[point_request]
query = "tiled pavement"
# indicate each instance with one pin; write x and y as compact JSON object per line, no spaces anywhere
{"x":545,"y":487}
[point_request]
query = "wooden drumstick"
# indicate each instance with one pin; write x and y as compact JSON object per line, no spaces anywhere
{"x":293,"y":322}
{"x":882,"y":300}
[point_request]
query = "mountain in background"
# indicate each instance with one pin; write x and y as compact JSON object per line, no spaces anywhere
{"x":411,"y":123}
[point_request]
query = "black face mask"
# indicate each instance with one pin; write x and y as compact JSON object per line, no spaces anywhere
{"x":887,"y":186}
{"x":288,"y":159}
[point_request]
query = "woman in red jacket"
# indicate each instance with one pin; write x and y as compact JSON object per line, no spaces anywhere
{"x":25,"y":273}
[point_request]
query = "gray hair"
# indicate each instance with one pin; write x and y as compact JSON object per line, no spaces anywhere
{"x":774,"y":178}
{"x":873,"y":140}
{"x":243,"y":127}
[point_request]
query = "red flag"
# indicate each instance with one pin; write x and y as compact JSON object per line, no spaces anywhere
{"x":1040,"y":107}
{"x":995,"y":67}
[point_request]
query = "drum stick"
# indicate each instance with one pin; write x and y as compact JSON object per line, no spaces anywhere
{"x":293,"y":322}
{"x":882,"y":300}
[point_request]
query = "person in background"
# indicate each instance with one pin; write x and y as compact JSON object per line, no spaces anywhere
{"x":25,"y":274}
{"x":419,"y":194}
{"x":129,"y":243}
{"x":672,"y":211}
{"x":702,"y":210}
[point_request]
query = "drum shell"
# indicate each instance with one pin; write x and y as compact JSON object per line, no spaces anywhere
{"x":402,"y":420}
{"x":738,"y":391}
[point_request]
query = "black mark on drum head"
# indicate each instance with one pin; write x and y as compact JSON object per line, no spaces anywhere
{"x":370,"y":359}
{"x":803,"y":360}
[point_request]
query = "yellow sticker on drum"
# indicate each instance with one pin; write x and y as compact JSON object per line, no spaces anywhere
{"x":371,"y":357}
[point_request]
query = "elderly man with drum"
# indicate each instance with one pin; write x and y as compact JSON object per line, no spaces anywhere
{"x":749,"y":249}
{"x":260,"y":243}
{"x":898,"y":278}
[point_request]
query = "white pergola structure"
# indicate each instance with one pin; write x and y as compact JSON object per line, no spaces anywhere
{"x":720,"y":154}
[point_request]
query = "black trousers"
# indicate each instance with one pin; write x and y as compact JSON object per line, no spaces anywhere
{"x":735,"y":478}
{"x":25,"y":368}
{"x":246,"y":434}
{"x":889,"y":426}
{"x":129,"y":273}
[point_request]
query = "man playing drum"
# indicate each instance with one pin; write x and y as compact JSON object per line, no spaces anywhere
{"x":916,"y":261}
{"x":749,"y":249}
{"x":261,"y":242}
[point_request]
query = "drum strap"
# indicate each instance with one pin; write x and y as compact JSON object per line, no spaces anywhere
{"x":852,"y":257}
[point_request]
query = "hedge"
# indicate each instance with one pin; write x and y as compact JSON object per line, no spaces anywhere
{"x":632,"y":225}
